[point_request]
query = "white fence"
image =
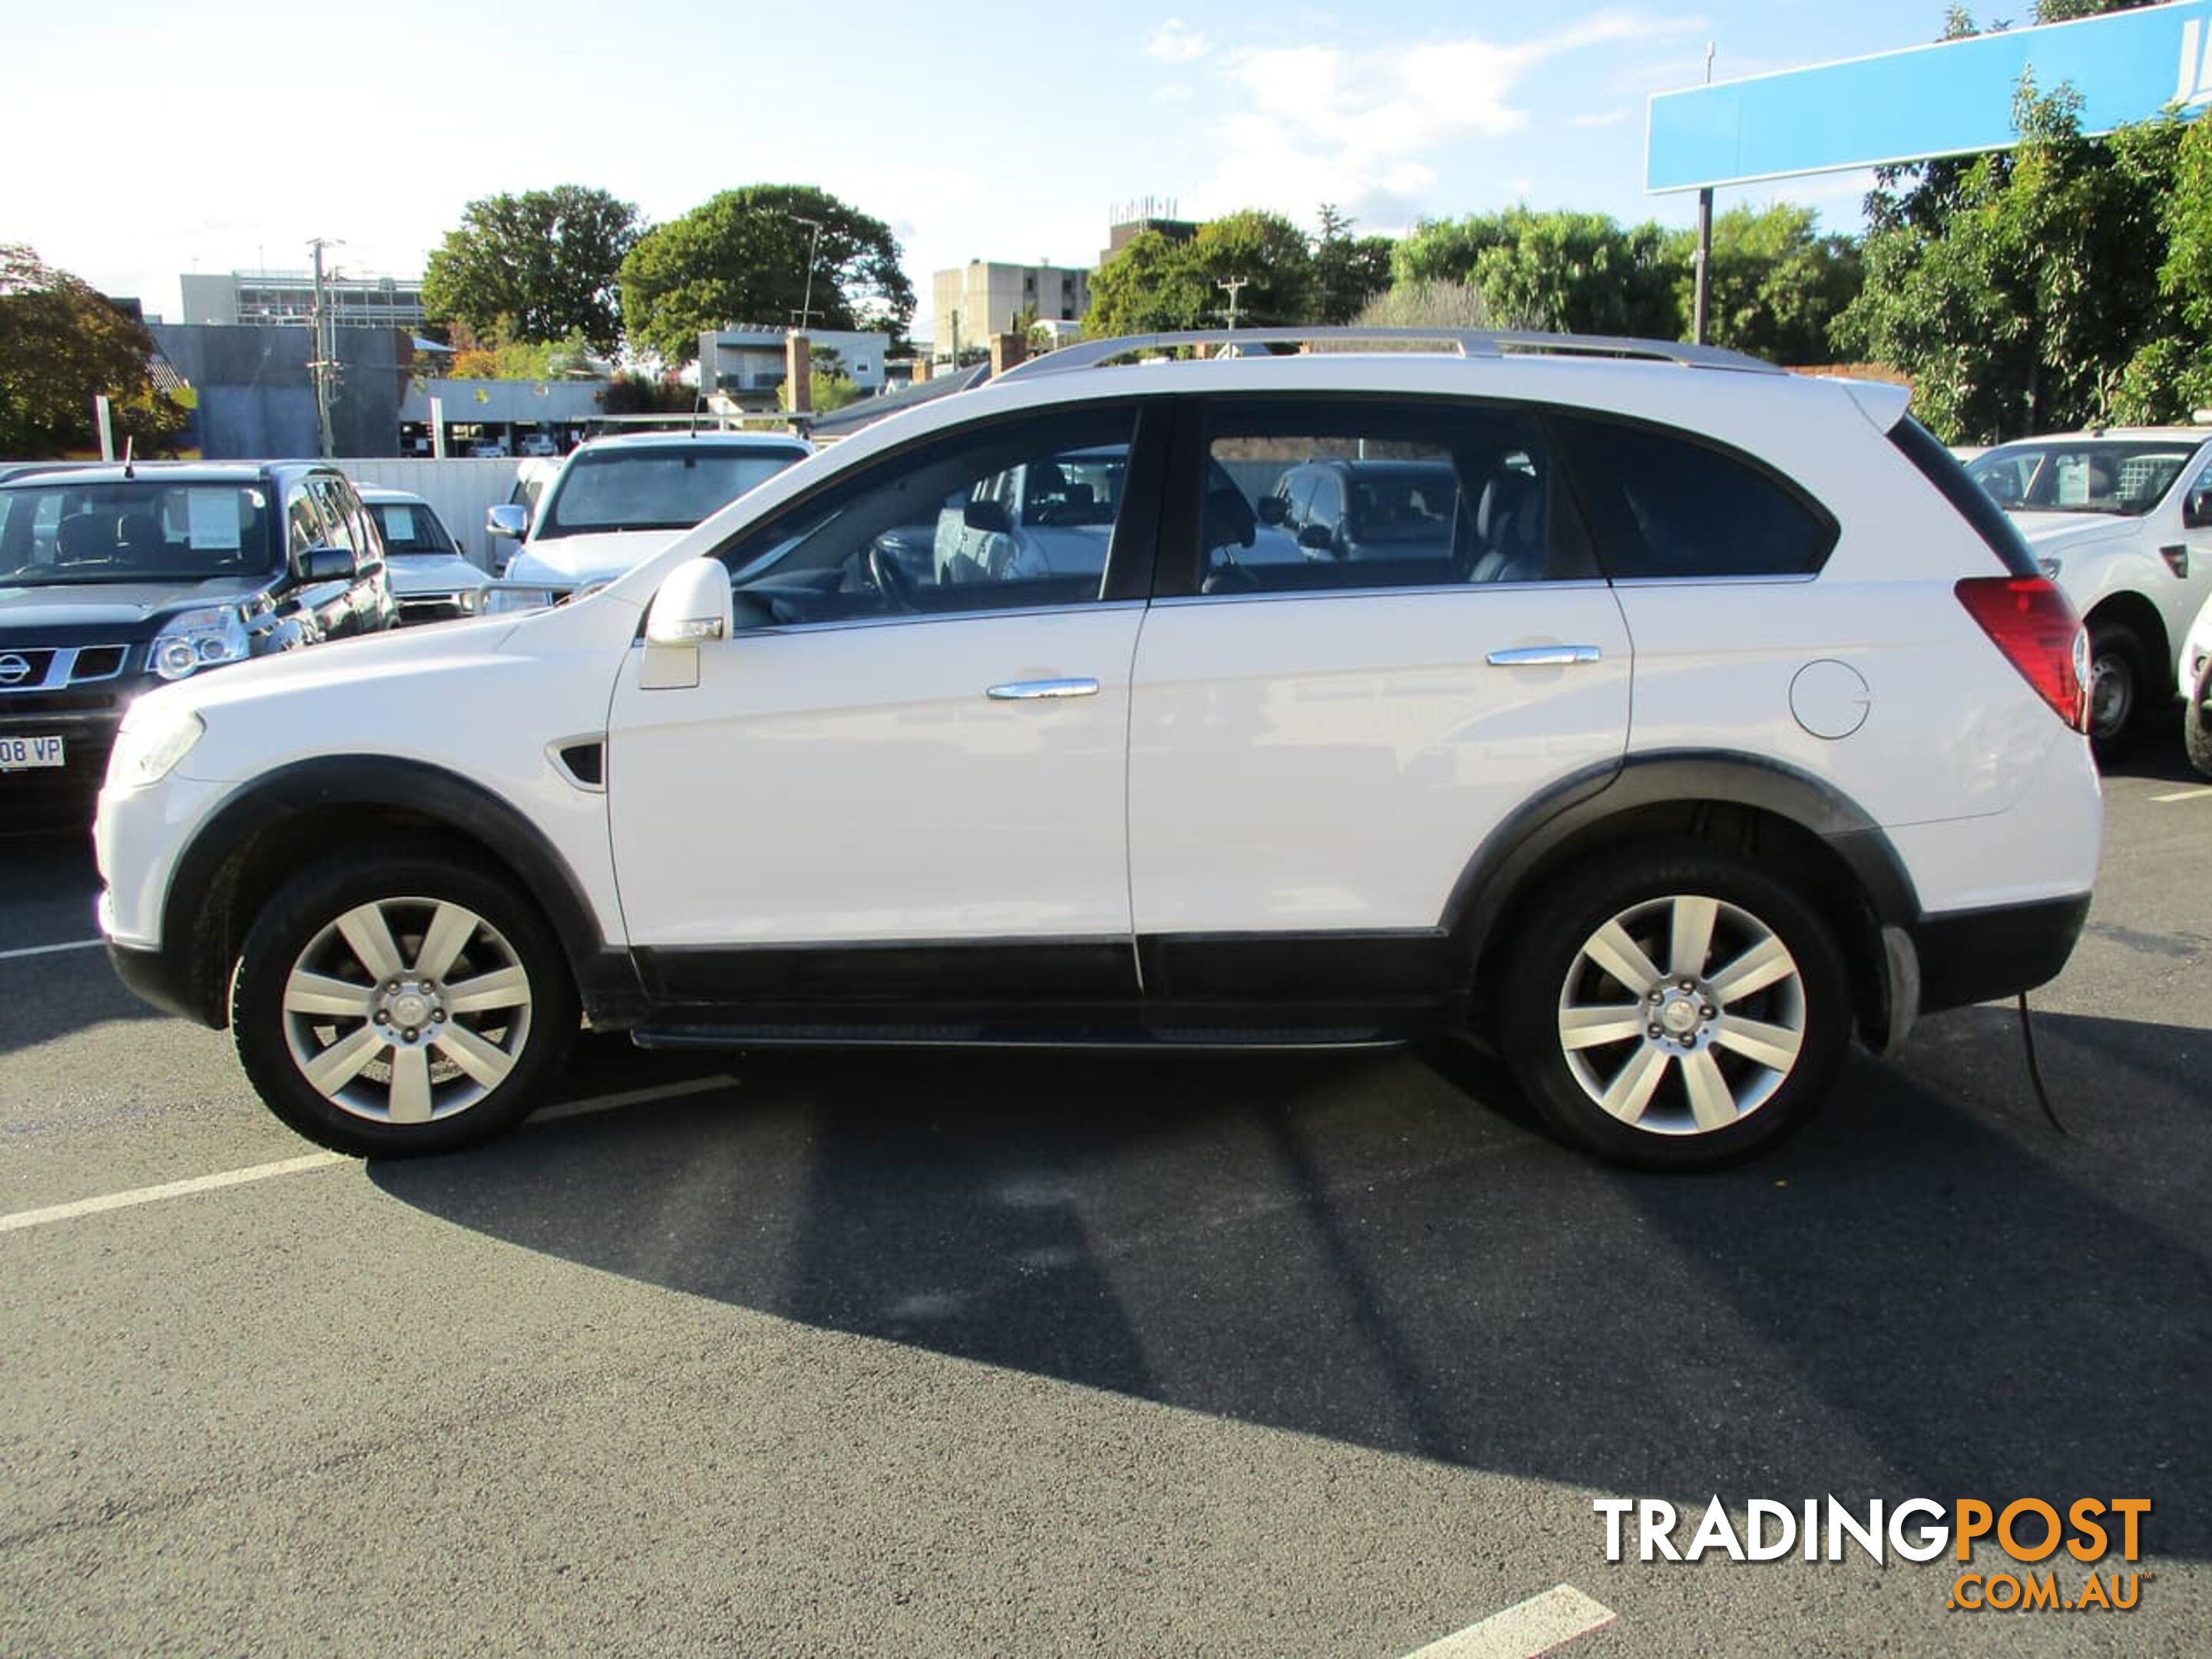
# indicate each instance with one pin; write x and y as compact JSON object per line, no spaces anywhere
{"x":460,"y":488}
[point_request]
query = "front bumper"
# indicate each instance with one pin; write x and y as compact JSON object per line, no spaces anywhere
{"x":59,"y":796}
{"x":160,"y":977}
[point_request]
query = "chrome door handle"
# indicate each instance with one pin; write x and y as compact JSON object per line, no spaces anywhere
{"x":1543,"y":656}
{"x":1025,"y":691}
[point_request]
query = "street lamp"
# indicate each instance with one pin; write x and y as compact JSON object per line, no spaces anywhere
{"x":813,"y":245}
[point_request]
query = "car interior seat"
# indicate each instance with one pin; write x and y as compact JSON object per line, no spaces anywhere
{"x":1509,"y":528}
{"x":84,"y":538}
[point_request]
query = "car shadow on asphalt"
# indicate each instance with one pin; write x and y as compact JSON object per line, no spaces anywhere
{"x":1928,"y":1293}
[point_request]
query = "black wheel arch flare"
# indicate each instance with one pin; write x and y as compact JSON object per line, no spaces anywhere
{"x":201,"y":927}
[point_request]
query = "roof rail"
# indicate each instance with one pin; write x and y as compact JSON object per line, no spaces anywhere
{"x":1469,"y":343}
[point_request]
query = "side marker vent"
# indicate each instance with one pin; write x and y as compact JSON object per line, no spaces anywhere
{"x":585,"y":761}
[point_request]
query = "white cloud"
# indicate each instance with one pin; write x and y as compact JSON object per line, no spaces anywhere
{"x":1362,"y":128}
{"x":1175,"y":42}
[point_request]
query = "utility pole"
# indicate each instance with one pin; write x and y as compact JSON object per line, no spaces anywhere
{"x":1704,"y":240}
{"x":1233,"y":286}
{"x":813,"y":246}
{"x":322,"y":367}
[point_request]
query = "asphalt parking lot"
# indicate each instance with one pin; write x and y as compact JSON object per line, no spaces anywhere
{"x":992,"y":1354}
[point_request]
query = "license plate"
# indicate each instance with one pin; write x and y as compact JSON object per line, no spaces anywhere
{"x":20,"y":754}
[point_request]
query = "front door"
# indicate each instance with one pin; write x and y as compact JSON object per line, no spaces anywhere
{"x":895,"y":786}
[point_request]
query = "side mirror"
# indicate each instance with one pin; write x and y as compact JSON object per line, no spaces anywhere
{"x":2196,"y":511}
{"x":692,"y":605}
{"x":324,"y":563}
{"x":1273,"y":509}
{"x":509,"y":519}
{"x":1317,"y":538}
{"x":988,"y":517}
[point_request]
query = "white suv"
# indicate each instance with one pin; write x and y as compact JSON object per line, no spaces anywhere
{"x":2122,"y":520}
{"x":1772,"y":733}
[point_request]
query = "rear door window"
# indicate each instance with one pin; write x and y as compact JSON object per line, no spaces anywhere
{"x":1663,"y":505}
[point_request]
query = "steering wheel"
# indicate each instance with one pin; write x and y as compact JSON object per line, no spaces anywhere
{"x":900,"y":591}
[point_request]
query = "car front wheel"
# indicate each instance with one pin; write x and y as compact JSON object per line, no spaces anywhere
{"x":2116,"y":682}
{"x":1675,"y":1008}
{"x":398,"y":1002}
{"x":2196,"y":724}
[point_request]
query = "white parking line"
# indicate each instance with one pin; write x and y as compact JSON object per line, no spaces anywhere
{"x":1542,"y":1624}
{"x":2185,"y":794}
{"x":49,"y":950}
{"x":208,"y":1183}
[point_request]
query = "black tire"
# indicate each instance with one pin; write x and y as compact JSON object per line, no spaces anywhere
{"x":461,"y":1052}
{"x":1550,"y":982}
{"x":2119,"y":685}
{"x":2196,"y":725}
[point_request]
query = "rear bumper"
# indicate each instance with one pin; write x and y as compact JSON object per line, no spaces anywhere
{"x":1979,"y":956}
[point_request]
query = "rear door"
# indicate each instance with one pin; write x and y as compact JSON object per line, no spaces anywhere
{"x":1317,"y":749}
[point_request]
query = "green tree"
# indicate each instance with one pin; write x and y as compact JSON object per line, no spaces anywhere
{"x":2018,"y":300}
{"x":1579,"y":273}
{"x":540,"y":266}
{"x":1273,"y":257}
{"x":1150,"y":287}
{"x":1348,"y":271}
{"x":61,"y":344}
{"x":1776,"y":285}
{"x":744,"y":256}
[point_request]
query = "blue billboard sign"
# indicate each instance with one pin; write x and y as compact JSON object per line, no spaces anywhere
{"x":1951,"y":99}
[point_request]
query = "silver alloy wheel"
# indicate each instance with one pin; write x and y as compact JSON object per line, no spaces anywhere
{"x":406,"y":1010}
{"x":1695,"y":1045}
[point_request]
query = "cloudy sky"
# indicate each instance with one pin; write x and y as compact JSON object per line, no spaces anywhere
{"x":222,"y":135}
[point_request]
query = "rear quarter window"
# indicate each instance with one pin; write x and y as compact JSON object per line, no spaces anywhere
{"x":1664,"y":504}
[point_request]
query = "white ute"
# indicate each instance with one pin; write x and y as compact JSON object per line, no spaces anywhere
{"x":1706,"y":716}
{"x":2122,"y":520}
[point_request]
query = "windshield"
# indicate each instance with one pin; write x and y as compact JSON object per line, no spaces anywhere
{"x":658,"y":489}
{"x":131,"y":531}
{"x":2124,"y":478}
{"x":410,"y":527}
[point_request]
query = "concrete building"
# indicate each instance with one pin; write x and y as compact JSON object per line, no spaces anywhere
{"x":746,"y":364}
{"x":256,"y":399}
{"x":1132,"y":219}
{"x":287,"y":297}
{"x":984,"y":298}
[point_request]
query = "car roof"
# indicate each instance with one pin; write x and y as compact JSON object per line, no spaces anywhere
{"x":230,"y":472}
{"x":2156,"y":434}
{"x":780,"y":442}
{"x":380,"y":495}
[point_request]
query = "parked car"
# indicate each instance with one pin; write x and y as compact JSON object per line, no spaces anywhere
{"x":617,"y":501}
{"x":538,"y":443}
{"x":2193,"y":670}
{"x":772,"y":785}
{"x":486,"y":449}
{"x":114,"y":580}
{"x":1340,"y":508}
{"x":2122,"y":520}
{"x":429,"y":577}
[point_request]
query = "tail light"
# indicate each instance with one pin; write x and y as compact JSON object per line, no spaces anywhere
{"x":2028,"y":619}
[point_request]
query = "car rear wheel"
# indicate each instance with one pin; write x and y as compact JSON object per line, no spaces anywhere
{"x":1675,"y":1008}
{"x":398,"y":1002}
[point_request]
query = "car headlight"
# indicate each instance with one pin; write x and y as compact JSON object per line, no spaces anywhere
{"x":193,"y":640}
{"x":148,"y":747}
{"x":467,"y":600}
{"x":518,"y":599}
